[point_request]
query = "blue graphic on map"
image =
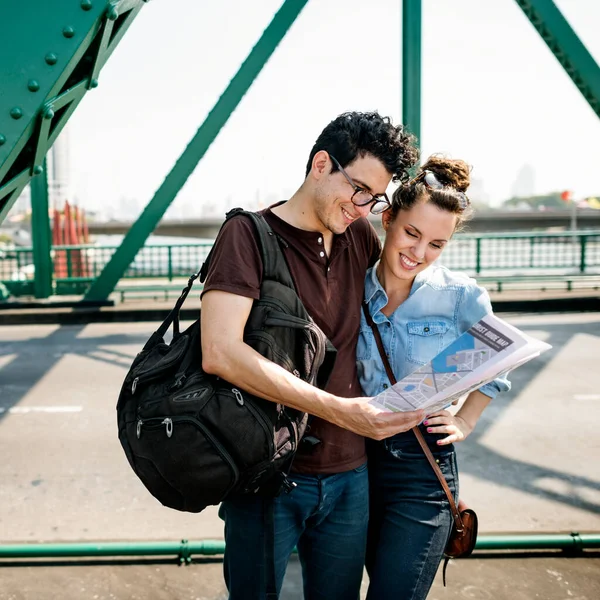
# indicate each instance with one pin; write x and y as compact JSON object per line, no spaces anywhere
{"x":447,"y":360}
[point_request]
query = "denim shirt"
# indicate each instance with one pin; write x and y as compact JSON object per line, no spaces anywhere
{"x":441,"y":306}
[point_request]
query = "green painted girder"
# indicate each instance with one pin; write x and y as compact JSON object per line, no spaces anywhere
{"x":136,"y":237}
{"x":566,"y":46}
{"x":41,"y":236}
{"x":50,"y":55}
{"x":411,"y":66}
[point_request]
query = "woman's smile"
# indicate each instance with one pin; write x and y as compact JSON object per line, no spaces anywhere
{"x":407,"y":263}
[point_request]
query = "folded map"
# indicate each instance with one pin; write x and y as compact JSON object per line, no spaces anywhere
{"x":489,"y":349}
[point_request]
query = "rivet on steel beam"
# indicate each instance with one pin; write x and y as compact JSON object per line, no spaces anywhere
{"x":112,"y":14}
{"x":37,"y":170}
{"x":48,"y":113}
{"x":93,"y":83}
{"x":86,"y":4}
{"x":68,"y":32}
{"x":2,"y":139}
{"x":33,"y":85}
{"x":51,"y":58}
{"x":16,"y":113}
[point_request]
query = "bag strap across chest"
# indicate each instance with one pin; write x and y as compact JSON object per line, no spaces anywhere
{"x":274,"y":265}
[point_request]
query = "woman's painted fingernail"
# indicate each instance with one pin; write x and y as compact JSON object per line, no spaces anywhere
{"x":425,"y":422}
{"x":439,"y":442}
{"x":429,"y":429}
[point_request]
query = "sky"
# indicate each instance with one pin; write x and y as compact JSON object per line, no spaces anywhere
{"x":493,"y":94}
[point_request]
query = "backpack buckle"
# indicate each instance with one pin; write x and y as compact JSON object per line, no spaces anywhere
{"x":288,"y":485}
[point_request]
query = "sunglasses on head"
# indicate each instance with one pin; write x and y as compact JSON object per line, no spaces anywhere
{"x":433,"y":183}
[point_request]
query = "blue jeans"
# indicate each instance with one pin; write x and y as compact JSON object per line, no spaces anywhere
{"x":410,"y":517}
{"x":326,"y":517}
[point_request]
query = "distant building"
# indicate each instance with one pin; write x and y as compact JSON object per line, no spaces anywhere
{"x":22,"y":205}
{"x":477,"y":193}
{"x":524,"y":184}
{"x":58,"y":165}
{"x":59,"y":171}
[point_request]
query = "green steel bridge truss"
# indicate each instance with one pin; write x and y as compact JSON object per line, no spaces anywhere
{"x":52,"y":54}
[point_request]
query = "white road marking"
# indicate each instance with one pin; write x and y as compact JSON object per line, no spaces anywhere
{"x":22,"y":410}
{"x":587,"y":396}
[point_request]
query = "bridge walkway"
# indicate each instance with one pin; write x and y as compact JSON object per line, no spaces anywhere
{"x":529,"y":467}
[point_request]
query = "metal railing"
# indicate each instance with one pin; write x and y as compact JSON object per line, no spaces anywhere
{"x":525,"y":253}
{"x":75,"y":267}
{"x":574,"y":543}
{"x":493,"y":255}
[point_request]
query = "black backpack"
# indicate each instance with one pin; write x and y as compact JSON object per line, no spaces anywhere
{"x":195,"y":439}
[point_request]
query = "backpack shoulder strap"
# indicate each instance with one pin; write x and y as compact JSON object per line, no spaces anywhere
{"x":274,"y":264}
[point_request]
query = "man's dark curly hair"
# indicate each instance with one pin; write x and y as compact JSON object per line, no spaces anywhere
{"x":355,"y":134}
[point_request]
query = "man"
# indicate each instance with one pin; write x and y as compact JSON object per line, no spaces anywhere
{"x":329,"y":246}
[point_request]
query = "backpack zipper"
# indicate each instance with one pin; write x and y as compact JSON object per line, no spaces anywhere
{"x":152,"y":423}
{"x":238,"y":396}
{"x":151,"y":374}
{"x":157,"y":375}
{"x":258,"y":416}
{"x":189,"y":395}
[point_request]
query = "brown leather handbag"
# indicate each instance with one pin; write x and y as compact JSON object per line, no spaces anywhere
{"x":463,"y":535}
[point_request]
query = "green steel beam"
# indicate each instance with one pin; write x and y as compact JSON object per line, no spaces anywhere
{"x":200,"y":143}
{"x":50,"y":55}
{"x":40,"y":235}
{"x":411,"y":66}
{"x":570,"y":52}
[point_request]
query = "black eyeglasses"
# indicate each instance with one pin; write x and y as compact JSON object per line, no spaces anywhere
{"x":432,"y":182}
{"x":361,"y":197}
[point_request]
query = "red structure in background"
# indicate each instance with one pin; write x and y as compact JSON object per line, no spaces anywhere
{"x":566,"y":196}
{"x":69,"y":228}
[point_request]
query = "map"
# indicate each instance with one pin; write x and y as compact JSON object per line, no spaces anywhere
{"x":488,"y":349}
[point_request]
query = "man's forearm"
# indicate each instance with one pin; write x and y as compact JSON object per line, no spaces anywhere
{"x":241,"y":365}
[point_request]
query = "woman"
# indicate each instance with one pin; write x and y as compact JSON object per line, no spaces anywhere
{"x":419,"y":308}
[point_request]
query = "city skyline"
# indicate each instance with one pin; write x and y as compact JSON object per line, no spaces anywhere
{"x":499,"y":105}
{"x":128,"y":208}
{"x":60,"y":173}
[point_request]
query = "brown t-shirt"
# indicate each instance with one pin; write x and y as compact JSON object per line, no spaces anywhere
{"x":331,"y":289}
